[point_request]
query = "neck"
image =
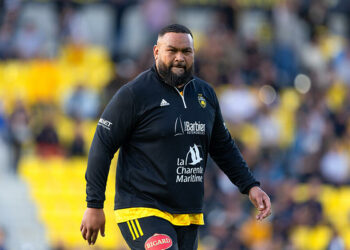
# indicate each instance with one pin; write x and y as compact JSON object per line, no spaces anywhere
{"x":180,"y":86}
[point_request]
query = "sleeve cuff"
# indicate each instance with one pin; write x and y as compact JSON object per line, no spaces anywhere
{"x":254,"y":184}
{"x":94,"y":204}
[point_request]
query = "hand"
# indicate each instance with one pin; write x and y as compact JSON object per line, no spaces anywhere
{"x":93,"y":221}
{"x":261,"y":201}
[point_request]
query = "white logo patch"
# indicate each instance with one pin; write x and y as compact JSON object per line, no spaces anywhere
{"x":195,"y":155}
{"x":189,"y":128}
{"x":164,"y":103}
{"x":104,"y":123}
{"x":186,"y":170}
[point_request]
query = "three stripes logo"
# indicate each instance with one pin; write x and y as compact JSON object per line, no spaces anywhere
{"x":135,"y":228}
{"x":164,"y":103}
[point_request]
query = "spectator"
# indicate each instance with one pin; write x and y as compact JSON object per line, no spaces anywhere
{"x":337,"y":242}
{"x":19,"y":132}
{"x":82,"y":103}
{"x":2,"y":239}
{"x":335,"y":165}
{"x":6,"y":34}
{"x":342,"y":64}
{"x":29,"y":41}
{"x":2,"y":119}
{"x":74,"y":28}
{"x":123,"y":72}
{"x":47,"y":140}
{"x":77,"y":148}
{"x":164,"y":10}
{"x":238,"y":104}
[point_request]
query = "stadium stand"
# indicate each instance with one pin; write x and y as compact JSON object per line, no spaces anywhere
{"x":55,"y":186}
{"x":280,"y":69}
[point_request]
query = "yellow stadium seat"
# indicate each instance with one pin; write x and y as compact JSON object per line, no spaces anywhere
{"x":301,"y":193}
{"x":49,"y":80}
{"x":58,"y":187}
{"x":346,"y":236}
{"x":306,"y":238}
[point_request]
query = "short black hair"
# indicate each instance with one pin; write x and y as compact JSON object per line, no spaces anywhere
{"x":176,"y":28}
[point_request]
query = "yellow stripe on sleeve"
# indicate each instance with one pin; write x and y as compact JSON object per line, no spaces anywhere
{"x":138,"y":226}
{"x":132,"y":233}
{"x":133,"y":226}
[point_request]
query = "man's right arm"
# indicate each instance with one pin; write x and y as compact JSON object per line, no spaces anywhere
{"x":113,"y":129}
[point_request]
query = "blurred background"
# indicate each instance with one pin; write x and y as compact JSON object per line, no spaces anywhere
{"x":281,"y":69}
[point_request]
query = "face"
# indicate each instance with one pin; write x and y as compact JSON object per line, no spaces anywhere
{"x":174,"y":56}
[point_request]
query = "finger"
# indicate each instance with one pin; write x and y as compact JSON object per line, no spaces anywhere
{"x":267,"y":202}
{"x":88,"y":236}
{"x":94,"y":237}
{"x":267,"y":215}
{"x":83,"y":232}
{"x":264,"y":214}
{"x":260,"y":203}
{"x":267,"y":210}
{"x":81,"y":227}
{"x":259,"y":216}
{"x":102,"y":230}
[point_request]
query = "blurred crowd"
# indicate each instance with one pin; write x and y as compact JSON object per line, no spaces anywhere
{"x":282,"y":74}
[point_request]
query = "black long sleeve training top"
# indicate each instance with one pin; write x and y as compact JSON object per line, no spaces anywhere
{"x":164,"y":139}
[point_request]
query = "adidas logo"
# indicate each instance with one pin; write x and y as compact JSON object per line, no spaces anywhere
{"x":164,"y":103}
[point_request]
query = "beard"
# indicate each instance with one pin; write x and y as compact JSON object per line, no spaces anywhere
{"x":172,"y":78}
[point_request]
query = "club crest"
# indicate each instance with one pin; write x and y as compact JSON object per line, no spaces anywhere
{"x":202,"y":101}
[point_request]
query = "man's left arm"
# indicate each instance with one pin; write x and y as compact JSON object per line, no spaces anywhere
{"x":227,"y":156}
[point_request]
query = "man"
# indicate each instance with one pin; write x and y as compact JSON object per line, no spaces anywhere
{"x":165,"y":123}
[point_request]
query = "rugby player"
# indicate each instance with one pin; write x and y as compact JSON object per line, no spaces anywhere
{"x":165,"y":122}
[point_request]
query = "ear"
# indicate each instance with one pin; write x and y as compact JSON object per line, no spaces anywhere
{"x":155,"y":52}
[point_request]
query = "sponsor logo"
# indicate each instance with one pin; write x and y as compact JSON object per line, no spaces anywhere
{"x":187,"y":169}
{"x":158,"y":242}
{"x":104,"y":123}
{"x":189,"y":128}
{"x":195,"y":155}
{"x":202,"y":101}
{"x":164,"y":103}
